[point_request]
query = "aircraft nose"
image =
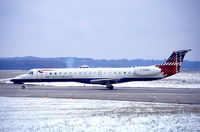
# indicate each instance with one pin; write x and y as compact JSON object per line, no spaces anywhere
{"x":20,"y":77}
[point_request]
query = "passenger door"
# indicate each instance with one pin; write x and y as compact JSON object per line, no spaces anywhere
{"x":40,"y":74}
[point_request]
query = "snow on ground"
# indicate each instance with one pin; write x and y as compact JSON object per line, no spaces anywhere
{"x":47,"y":114}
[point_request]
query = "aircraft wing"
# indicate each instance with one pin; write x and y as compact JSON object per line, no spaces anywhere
{"x":103,"y":81}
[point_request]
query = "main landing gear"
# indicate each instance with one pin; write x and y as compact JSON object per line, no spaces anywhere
{"x":23,"y":86}
{"x":109,"y":86}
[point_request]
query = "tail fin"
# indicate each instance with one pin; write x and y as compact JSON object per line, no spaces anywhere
{"x":173,"y":63}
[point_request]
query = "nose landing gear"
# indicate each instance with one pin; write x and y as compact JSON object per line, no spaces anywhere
{"x":23,"y":86}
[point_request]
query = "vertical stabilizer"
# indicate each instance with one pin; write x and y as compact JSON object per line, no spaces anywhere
{"x":173,"y":63}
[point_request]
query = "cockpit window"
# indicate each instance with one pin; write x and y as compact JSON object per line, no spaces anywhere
{"x":30,"y":73}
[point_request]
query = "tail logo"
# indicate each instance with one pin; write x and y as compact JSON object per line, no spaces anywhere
{"x":173,"y":63}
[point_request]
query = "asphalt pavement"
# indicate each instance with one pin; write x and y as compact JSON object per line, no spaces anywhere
{"x":140,"y":94}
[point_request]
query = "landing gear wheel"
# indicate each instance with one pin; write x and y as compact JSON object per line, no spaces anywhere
{"x":111,"y":87}
{"x":22,"y":87}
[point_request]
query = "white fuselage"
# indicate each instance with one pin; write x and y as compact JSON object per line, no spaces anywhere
{"x":106,"y":76}
{"x":91,"y":75}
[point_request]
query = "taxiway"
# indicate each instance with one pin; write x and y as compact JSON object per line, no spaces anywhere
{"x":140,"y":94}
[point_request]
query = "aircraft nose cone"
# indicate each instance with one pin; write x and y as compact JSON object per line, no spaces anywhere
{"x":18,"y":79}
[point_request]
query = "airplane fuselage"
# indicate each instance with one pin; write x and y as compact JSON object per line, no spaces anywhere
{"x":91,"y":75}
{"x":105,"y":76}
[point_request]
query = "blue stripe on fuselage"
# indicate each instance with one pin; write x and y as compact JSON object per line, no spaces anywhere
{"x":81,"y":80}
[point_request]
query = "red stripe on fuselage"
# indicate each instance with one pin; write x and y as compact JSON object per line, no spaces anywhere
{"x":46,"y":70}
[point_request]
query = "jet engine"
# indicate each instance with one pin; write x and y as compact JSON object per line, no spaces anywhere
{"x":147,"y":71}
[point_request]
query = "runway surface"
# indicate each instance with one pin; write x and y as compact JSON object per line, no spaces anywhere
{"x":140,"y":94}
{"x":163,"y":95}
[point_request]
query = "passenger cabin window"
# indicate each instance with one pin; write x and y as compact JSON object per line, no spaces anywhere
{"x":50,"y":73}
{"x":30,"y":73}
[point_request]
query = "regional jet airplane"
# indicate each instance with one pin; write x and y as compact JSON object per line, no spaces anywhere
{"x":105,"y":76}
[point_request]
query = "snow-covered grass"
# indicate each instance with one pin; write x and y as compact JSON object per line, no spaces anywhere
{"x":45,"y":114}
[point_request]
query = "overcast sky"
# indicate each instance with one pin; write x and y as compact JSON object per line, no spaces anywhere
{"x":101,"y":29}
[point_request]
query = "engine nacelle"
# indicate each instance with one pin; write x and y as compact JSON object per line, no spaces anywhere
{"x":147,"y":71}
